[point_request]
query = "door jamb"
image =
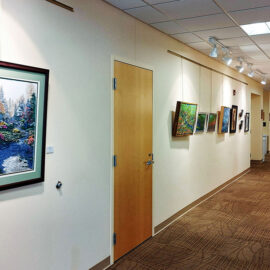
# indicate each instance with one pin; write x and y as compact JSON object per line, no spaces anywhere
{"x":145,"y":66}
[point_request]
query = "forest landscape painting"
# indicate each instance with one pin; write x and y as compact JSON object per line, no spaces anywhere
{"x":18,"y":112}
{"x":201,"y":120}
{"x":185,"y":118}
{"x":212,"y":119}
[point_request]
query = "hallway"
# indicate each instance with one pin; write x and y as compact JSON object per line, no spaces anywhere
{"x":229,"y":231}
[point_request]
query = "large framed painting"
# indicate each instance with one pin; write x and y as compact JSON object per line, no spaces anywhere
{"x":212,"y":119}
{"x":23,"y":109}
{"x":185,"y":118}
{"x":247,"y":116}
{"x":233,"y":119}
{"x":224,"y":118}
{"x":201,"y":122}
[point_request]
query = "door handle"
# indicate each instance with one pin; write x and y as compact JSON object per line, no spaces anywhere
{"x":150,"y":162}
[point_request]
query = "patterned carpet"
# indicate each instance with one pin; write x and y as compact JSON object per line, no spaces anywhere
{"x":229,"y":231}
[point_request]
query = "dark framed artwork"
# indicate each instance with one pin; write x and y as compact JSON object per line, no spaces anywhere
{"x":212,"y":119}
{"x":247,"y":116}
{"x":185,"y":118}
{"x":23,"y":110}
{"x":241,"y":113}
{"x":233,"y":119}
{"x":201,"y":122}
{"x":240,"y":125}
{"x":224,"y":118}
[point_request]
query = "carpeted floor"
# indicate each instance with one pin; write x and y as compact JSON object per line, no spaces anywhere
{"x":229,"y":231}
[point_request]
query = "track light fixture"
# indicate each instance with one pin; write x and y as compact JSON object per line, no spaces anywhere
{"x":226,"y":56}
{"x":214,"y":51}
{"x":250,"y":70}
{"x":264,"y":80}
{"x":240,"y":68}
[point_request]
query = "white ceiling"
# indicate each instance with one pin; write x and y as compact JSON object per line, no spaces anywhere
{"x":194,"y":21}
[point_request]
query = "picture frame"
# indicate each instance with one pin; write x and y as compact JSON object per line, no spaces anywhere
{"x":247,"y":119}
{"x":241,"y":113}
{"x":184,"y":119}
{"x":211,"y":124}
{"x":241,"y":125}
{"x":23,"y":115}
{"x":201,"y":122}
{"x":224,"y":118}
{"x":233,"y":119}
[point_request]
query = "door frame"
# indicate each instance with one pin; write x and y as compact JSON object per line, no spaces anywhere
{"x":144,"y":66}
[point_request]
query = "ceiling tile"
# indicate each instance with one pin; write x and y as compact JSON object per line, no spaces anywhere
{"x":266,"y":48}
{"x":207,"y":22}
{"x":124,"y":4}
{"x":249,"y":49}
{"x":153,"y":2}
{"x":229,"y":32}
{"x":147,"y":14}
{"x":262,"y":39}
{"x":170,"y":27}
{"x":231,"y":5}
{"x":236,"y":41}
{"x":187,"y":38}
{"x":189,"y":8}
{"x":200,"y":45}
{"x":252,"y":15}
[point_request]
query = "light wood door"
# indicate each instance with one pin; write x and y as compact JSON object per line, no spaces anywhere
{"x":133,"y":149}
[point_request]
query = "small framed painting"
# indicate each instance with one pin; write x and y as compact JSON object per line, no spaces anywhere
{"x":233,"y":119}
{"x":201,"y":122}
{"x":224,"y":118}
{"x":247,"y":116}
{"x":185,"y":118}
{"x":23,"y":106}
{"x":212,"y":119}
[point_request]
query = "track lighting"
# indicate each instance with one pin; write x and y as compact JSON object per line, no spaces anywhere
{"x":214,"y":51}
{"x":264,"y":80}
{"x":226,"y":56}
{"x":251,"y":71}
{"x":240,"y":68}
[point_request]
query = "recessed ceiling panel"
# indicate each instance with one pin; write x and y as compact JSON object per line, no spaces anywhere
{"x":170,"y":27}
{"x":187,"y":38}
{"x":232,"y":5}
{"x":236,"y":41}
{"x":147,"y":14}
{"x":189,"y":8}
{"x":200,"y":46}
{"x":255,"y":15}
{"x":124,"y":4}
{"x":207,"y":22}
{"x":221,"y":33}
{"x":262,"y":39}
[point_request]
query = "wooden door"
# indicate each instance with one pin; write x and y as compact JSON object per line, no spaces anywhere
{"x":133,"y":150}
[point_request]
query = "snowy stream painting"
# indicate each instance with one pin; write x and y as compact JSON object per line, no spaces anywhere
{"x":18,"y":102}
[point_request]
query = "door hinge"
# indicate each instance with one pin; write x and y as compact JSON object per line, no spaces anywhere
{"x":114,"y":161}
{"x":114,"y":239}
{"x":114,"y":83}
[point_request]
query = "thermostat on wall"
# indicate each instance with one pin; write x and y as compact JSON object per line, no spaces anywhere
{"x":49,"y":150}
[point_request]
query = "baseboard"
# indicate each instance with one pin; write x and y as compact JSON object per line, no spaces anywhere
{"x":198,"y":201}
{"x":256,"y":161}
{"x":102,"y":265}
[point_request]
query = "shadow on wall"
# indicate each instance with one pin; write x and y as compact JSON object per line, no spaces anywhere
{"x":176,"y":142}
{"x":25,"y":191}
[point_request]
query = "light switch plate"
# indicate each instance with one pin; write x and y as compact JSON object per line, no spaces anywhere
{"x":49,"y":150}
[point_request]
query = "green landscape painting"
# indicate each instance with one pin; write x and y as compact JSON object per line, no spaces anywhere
{"x":212,"y":119}
{"x":201,"y":119}
{"x":185,"y":119}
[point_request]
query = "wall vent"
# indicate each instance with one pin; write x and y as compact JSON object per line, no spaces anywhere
{"x":59,"y":4}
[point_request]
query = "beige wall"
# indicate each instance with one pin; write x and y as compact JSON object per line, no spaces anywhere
{"x":46,"y":230}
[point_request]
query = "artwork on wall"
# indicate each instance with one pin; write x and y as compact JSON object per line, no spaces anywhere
{"x":233,"y":119}
{"x":241,"y":113}
{"x":23,"y":103}
{"x":212,"y":119}
{"x":247,"y":122}
{"x":185,"y":118}
{"x":262,"y":114}
{"x":201,"y":121}
{"x":241,"y":125}
{"x":224,"y":118}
